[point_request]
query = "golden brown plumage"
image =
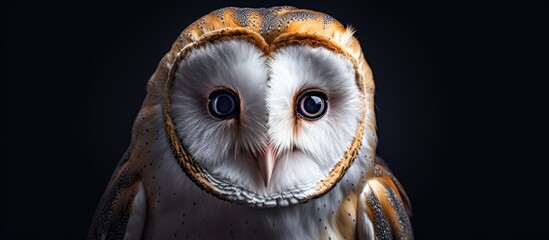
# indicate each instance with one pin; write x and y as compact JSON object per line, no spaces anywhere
{"x":356,"y":197}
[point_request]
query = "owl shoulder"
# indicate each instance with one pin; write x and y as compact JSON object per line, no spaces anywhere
{"x":384,"y":209}
{"x":122,"y":210}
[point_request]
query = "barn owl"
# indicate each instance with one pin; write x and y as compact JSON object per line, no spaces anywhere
{"x":257,"y":124}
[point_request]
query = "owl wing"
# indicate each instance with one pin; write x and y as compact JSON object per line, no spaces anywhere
{"x":384,"y":209}
{"x":121,"y":213}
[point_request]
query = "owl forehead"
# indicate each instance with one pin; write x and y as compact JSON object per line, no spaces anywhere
{"x":268,"y":22}
{"x":302,"y":41}
{"x":270,"y":29}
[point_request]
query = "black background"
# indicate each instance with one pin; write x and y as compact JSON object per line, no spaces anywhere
{"x":455,"y":85}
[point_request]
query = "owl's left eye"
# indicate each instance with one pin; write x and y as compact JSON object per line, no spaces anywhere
{"x":223,"y":104}
{"x":311,"y":105}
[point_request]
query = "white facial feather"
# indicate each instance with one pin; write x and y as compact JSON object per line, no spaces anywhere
{"x":267,"y":87}
{"x":323,"y":142}
{"x":222,"y":144}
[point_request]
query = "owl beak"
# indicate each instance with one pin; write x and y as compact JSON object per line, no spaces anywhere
{"x":266,"y":162}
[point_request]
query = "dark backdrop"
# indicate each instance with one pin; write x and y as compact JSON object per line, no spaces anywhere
{"x":448,"y":78}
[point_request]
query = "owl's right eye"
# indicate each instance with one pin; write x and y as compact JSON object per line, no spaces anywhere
{"x":223,"y":104}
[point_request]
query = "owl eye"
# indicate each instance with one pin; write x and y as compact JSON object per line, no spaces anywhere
{"x":223,"y":104}
{"x":311,"y":105}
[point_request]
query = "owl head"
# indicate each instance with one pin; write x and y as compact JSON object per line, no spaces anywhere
{"x":266,"y":107}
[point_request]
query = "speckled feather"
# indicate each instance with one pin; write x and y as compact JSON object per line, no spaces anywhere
{"x":160,"y":190}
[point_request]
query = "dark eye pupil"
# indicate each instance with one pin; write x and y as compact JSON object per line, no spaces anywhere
{"x":223,"y":104}
{"x":312,"y":105}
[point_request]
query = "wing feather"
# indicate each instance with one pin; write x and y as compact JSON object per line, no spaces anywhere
{"x":385,"y":207}
{"x":121,"y":212}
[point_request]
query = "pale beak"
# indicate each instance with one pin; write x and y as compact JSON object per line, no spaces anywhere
{"x":266,"y":162}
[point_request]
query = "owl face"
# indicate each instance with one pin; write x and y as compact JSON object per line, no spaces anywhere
{"x":265,"y":121}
